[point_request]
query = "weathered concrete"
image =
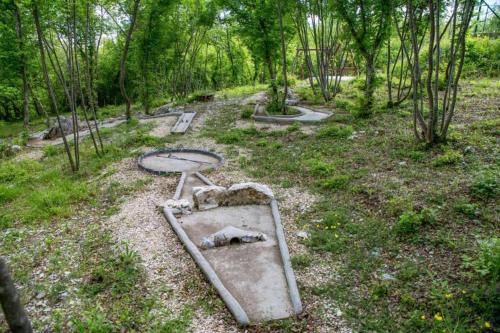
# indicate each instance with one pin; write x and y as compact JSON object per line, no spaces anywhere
{"x":248,"y":194}
{"x":305,"y":116}
{"x":253,"y":273}
{"x":231,"y":236}
{"x":181,"y":160}
{"x":182,"y":124}
{"x":254,"y":277}
{"x":208,"y":197}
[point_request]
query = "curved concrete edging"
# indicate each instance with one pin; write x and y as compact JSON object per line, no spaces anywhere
{"x":233,"y":305}
{"x":305,"y":116}
{"x":285,"y":257}
{"x":220,"y":158}
{"x":108,"y":123}
{"x":180,"y":185}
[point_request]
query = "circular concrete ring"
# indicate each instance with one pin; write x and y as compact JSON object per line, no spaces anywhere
{"x":178,"y":160}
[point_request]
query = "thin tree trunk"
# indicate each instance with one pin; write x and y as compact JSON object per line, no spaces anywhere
{"x":24,"y":66}
{"x":123,"y":60}
{"x":36,"y":16}
{"x":283,"y":56}
{"x":369,"y":85}
{"x":16,"y":317}
{"x":89,"y":73}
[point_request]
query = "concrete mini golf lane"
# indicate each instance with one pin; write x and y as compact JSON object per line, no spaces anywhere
{"x":253,"y":273}
{"x":255,"y":280}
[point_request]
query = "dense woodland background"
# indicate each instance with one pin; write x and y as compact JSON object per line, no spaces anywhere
{"x":404,"y":229}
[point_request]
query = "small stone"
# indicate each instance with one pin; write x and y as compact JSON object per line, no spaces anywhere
{"x":469,"y":150}
{"x":402,"y":163}
{"x":388,"y":277}
{"x":181,"y":206}
{"x":16,"y":147}
{"x":302,"y":234}
{"x":40,"y":295}
{"x":338,"y":313}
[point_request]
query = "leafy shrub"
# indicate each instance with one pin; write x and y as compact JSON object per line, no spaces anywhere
{"x":5,"y":150}
{"x":49,"y":151}
{"x":118,"y":274}
{"x":450,"y":157}
{"x":301,"y":261}
{"x":486,"y":185}
{"x":8,"y":193}
{"x":481,"y":57}
{"x":237,"y":135}
{"x":410,"y":221}
{"x":246,"y":113}
{"x":335,"y":182}
{"x":319,"y":167}
{"x":343,"y":104}
{"x":467,"y":208}
{"x":335,"y":131}
{"x":292,"y":80}
{"x":487,"y":262}
{"x":397,"y":205}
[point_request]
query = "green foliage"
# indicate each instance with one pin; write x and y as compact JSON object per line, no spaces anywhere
{"x":319,"y":167}
{"x":301,"y":261}
{"x":230,"y":137}
{"x":117,"y":275}
{"x":335,"y":131}
{"x":486,"y":185}
{"x":93,"y":321}
{"x":486,"y":264}
{"x":481,"y":57}
{"x":450,"y":157}
{"x":49,"y":151}
{"x":5,"y":150}
{"x":409,"y":222}
{"x":397,"y":205}
{"x":335,"y":182}
{"x":467,"y":208}
{"x":246,"y":113}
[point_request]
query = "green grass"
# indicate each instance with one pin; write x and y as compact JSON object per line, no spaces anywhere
{"x":49,"y":222}
{"x":240,"y":91}
{"x":398,"y":219}
{"x":409,"y":233}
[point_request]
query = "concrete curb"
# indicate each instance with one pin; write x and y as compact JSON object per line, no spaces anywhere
{"x":289,"y":119}
{"x":180,"y":185}
{"x":220,"y":158}
{"x":285,"y":257}
{"x":233,"y":305}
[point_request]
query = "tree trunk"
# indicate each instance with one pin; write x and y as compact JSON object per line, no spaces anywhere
{"x":50,"y":90}
{"x":123,"y":60}
{"x":283,"y":56}
{"x":369,"y":86}
{"x":24,"y":70}
{"x":14,"y":312}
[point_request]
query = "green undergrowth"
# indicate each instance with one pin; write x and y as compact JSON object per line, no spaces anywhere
{"x":50,"y":223}
{"x":412,"y":229}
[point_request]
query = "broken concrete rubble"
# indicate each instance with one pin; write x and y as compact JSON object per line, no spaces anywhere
{"x":181,"y":206}
{"x":208,"y":197}
{"x":231,"y":236}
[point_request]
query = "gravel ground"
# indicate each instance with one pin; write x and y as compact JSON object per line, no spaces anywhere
{"x":169,"y":266}
{"x":171,"y":273}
